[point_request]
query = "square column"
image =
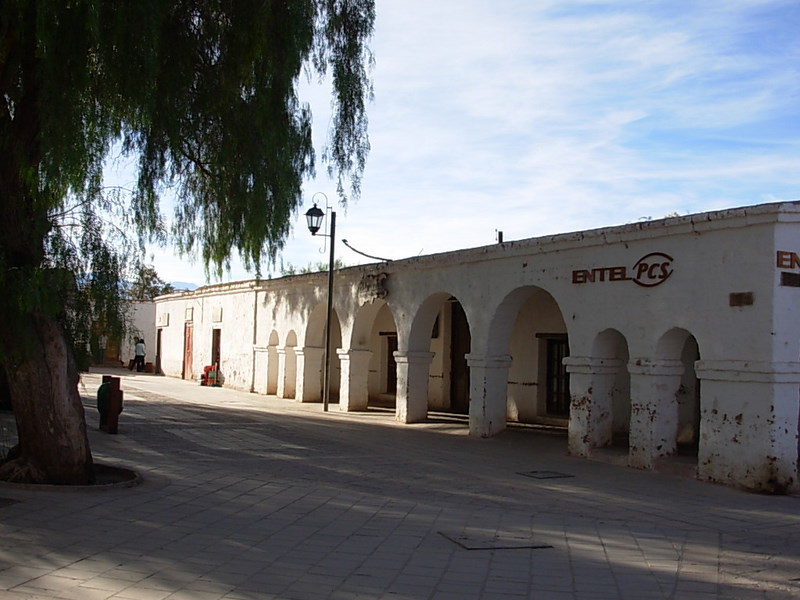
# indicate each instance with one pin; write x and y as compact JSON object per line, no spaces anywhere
{"x":260,"y":367}
{"x":281,"y":391}
{"x":488,"y":394}
{"x":654,"y":410}
{"x":354,"y":393}
{"x":749,"y":424}
{"x":413,"y":370}
{"x":591,"y":386}
{"x":309,"y":374}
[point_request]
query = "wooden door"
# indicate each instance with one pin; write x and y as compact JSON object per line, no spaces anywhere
{"x":216,"y":342}
{"x":557,"y":377}
{"x":188,"y":331}
{"x":158,"y":352}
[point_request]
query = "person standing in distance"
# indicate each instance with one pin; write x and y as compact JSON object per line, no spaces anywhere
{"x":139,"y":353}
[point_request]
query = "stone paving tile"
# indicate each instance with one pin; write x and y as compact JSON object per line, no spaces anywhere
{"x":12,"y":595}
{"x":194,"y":595}
{"x":136,"y":592}
{"x":248,"y":497}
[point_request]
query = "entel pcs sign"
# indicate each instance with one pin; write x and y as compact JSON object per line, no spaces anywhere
{"x":650,"y":270}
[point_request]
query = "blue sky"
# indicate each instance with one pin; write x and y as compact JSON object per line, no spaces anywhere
{"x":549,"y":116}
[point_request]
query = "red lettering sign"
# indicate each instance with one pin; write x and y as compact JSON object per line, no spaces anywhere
{"x":582,"y":276}
{"x":649,"y":271}
{"x":618,"y":274}
{"x":653,"y":269}
{"x":788,"y":260}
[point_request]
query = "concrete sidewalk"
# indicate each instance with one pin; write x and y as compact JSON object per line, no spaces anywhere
{"x":253,"y":497}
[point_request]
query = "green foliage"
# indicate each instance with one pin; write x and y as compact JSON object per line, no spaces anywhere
{"x":318,"y":267}
{"x":204,"y":93}
{"x":85,"y":262}
{"x":148,"y":285}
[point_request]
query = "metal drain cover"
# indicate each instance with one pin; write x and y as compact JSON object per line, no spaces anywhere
{"x":546,"y":475}
{"x":492,"y":542}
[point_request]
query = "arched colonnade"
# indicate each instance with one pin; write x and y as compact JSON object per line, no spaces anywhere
{"x":656,"y":337}
{"x":498,"y":358}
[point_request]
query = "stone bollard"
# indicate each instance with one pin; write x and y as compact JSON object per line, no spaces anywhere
{"x":109,"y":403}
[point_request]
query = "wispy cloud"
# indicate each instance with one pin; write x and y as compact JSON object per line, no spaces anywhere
{"x":551,"y":116}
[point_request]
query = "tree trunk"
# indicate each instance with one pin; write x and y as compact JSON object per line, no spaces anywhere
{"x":51,"y":426}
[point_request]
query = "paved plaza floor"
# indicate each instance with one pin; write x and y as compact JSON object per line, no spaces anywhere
{"x":246,"y":497}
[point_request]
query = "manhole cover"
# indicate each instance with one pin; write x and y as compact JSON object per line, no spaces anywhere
{"x":493,"y":542}
{"x":546,"y":475}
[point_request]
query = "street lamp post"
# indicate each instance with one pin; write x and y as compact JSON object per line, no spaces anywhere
{"x":314,"y":217}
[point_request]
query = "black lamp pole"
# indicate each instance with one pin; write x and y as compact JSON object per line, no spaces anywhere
{"x":314,"y":217}
{"x":326,"y":393}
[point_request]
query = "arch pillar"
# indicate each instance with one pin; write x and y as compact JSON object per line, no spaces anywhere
{"x":281,"y":391}
{"x":309,"y":374}
{"x":654,"y":410}
{"x":272,"y":369}
{"x":413,"y":370}
{"x":488,"y":394}
{"x":260,"y":367}
{"x":591,"y":386}
{"x":749,"y":424}
{"x":287,"y":372}
{"x":354,"y":392}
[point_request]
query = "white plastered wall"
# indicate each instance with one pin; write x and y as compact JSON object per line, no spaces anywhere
{"x":722,"y":289}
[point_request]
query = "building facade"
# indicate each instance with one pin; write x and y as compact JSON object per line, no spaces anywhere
{"x":661,"y":337}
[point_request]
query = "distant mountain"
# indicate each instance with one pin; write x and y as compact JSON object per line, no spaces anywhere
{"x":183,"y":286}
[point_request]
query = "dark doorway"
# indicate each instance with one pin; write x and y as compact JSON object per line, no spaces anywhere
{"x":460,"y":344}
{"x":216,"y":340}
{"x":158,"y":352}
{"x":391,"y":363}
{"x":557,"y":396}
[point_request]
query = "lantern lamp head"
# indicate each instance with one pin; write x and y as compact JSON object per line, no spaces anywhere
{"x":314,"y":217}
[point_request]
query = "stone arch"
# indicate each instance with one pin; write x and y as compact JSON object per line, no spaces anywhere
{"x":311,"y":379}
{"x":366,"y":317}
{"x":432,"y":368}
{"x":670,"y":344}
{"x":272,"y":363}
{"x":612,"y":348}
{"x":681,"y":346}
{"x":529,"y":326}
{"x":289,"y":379}
{"x":315,"y":326}
{"x":424,"y":320}
{"x":608,"y":344}
{"x":369,"y":369}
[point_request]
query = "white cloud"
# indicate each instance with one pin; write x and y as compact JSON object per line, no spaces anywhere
{"x":552,"y":116}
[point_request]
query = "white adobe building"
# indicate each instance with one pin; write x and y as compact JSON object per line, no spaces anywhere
{"x":659,"y":335}
{"x":142,"y":315}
